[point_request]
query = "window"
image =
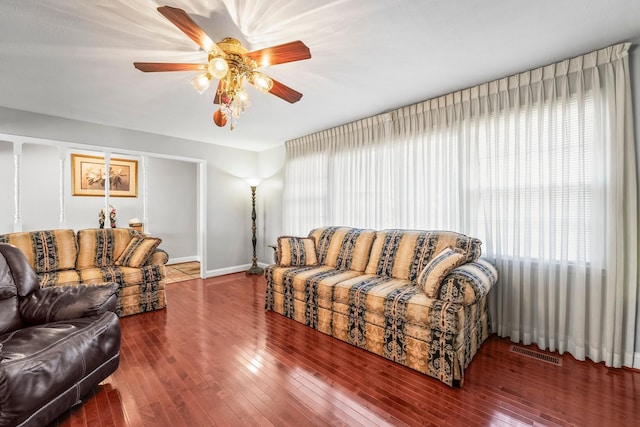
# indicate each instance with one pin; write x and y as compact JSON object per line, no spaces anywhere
{"x":538,"y":162}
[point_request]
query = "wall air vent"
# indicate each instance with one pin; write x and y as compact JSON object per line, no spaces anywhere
{"x":538,"y":355}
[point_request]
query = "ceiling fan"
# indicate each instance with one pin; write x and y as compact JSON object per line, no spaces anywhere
{"x":232,"y":64}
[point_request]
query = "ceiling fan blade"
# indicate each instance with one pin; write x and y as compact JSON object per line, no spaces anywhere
{"x":216,"y":98}
{"x":285,"y":92}
{"x":150,"y":67}
{"x":288,"y":52}
{"x":180,"y":19}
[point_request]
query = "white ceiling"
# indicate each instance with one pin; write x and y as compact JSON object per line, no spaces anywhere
{"x":73,"y":58}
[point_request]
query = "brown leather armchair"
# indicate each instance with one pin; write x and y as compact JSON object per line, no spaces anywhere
{"x":56,"y":344}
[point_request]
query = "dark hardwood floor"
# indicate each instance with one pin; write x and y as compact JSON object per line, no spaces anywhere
{"x":215,"y":357}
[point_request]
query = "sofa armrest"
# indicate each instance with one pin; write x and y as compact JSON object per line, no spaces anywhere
{"x":275,"y":253}
{"x":68,"y":302}
{"x":159,"y":257}
{"x":468,"y":283}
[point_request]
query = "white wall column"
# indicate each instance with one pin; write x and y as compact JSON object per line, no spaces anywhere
{"x":17,"y":186}
{"x":144,"y":167}
{"x":62,"y":160}
{"x":202,"y":217}
{"x":107,"y":189}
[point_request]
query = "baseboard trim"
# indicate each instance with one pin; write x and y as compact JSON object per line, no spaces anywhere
{"x":227,"y":270}
{"x":183,"y":259}
{"x":231,"y":270}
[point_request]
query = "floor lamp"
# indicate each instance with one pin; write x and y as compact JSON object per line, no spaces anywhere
{"x":254,"y":270}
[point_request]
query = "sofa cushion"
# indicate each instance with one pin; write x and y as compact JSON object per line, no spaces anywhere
{"x":314,"y":285}
{"x":403,"y":254}
{"x":100,"y":247}
{"x":141,"y":289}
{"x":305,"y":293}
{"x":59,"y":278}
{"x":43,"y":362}
{"x":47,"y":250}
{"x":442,"y":264}
{"x":344,"y":248}
{"x":393,"y":304}
{"x":138,"y":252}
{"x":124,"y":276}
{"x":296,"y":251}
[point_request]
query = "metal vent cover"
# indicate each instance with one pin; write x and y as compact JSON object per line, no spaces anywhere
{"x":538,"y":355}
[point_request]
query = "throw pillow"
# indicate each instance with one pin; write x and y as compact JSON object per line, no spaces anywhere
{"x":297,"y":251}
{"x":138,"y":252}
{"x":436,"y":270}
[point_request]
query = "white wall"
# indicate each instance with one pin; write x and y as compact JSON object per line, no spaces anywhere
{"x":228,"y":236}
{"x":40,"y":187}
{"x":173,"y":200}
{"x":269,"y":200}
{"x":83,"y":211}
{"x":6,"y":189}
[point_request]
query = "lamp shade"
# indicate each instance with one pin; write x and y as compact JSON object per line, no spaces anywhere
{"x":201,"y":82}
{"x":218,"y":68}
{"x":253,"y":182}
{"x":262,"y":82}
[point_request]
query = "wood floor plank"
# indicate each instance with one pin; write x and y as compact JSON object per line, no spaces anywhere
{"x":214,"y":357}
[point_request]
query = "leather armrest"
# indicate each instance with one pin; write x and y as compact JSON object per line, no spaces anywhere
{"x":68,"y":302}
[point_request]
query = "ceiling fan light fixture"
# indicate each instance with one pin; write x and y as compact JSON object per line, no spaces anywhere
{"x":262,"y":82}
{"x":218,"y":67}
{"x":201,"y":82}
{"x":242,"y":97}
{"x":232,"y":64}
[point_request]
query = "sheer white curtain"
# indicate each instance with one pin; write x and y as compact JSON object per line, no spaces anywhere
{"x":540,"y":166}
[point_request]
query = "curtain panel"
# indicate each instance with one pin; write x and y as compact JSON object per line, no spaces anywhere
{"x":539,"y":165}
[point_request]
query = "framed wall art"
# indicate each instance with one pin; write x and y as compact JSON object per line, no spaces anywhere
{"x":88,"y":176}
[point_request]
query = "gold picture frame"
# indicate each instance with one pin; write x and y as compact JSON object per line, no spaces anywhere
{"x":88,"y":177}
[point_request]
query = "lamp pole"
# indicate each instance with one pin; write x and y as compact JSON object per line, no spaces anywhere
{"x":254,"y":266}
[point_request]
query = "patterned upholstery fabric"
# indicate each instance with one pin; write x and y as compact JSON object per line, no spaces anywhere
{"x":47,"y":250}
{"x":138,"y":252}
{"x":403,"y":254}
{"x":141,"y":289}
{"x":59,"y":278}
{"x":384,"y":311}
{"x":468,"y":283}
{"x":100,"y":247}
{"x":159,"y":257}
{"x":395,"y":319}
{"x":61,"y":257}
{"x":296,"y":251}
{"x":306,"y":293}
{"x":344,"y":248}
{"x":430,"y":277}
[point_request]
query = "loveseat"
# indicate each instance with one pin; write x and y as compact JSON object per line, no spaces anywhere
{"x":91,"y":256}
{"x":56,"y":343}
{"x":418,"y":298}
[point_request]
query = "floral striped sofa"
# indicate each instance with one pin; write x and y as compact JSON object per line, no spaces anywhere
{"x":92,"y":256}
{"x":418,"y":298}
